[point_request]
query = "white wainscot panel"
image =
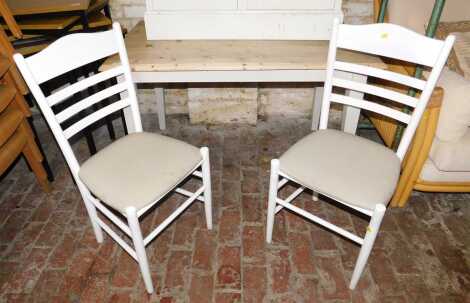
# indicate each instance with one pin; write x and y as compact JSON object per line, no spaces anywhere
{"x":266,"y":25}
{"x":291,"y":4}
{"x":193,"y":5}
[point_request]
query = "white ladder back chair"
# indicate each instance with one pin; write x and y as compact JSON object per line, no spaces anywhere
{"x":392,"y":41}
{"x":351,"y":170}
{"x":110,"y":178}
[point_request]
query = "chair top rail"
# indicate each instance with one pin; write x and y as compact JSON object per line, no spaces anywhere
{"x":380,"y":73}
{"x":89,"y":101}
{"x":376,"y":91}
{"x":92,"y":118}
{"x":372,"y":106}
{"x":101,"y":45}
{"x":72,"y":89}
{"x":390,"y":40}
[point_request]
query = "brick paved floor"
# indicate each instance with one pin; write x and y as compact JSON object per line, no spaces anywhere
{"x":48,"y":252}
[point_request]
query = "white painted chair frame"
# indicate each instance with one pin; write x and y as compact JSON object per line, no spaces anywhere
{"x":71,"y":52}
{"x":386,"y":40}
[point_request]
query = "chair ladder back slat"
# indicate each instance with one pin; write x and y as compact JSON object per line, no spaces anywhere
{"x":89,"y":101}
{"x":72,"y":89}
{"x":92,"y":118}
{"x":372,"y":106}
{"x":80,"y":49}
{"x":48,"y":113}
{"x":376,"y":91}
{"x":380,"y":73}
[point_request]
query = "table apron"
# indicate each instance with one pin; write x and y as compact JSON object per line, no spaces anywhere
{"x":305,"y":75}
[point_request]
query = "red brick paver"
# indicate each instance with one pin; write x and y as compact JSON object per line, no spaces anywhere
{"x":48,"y":252}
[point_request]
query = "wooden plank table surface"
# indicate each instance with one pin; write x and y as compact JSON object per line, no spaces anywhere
{"x":192,"y":61}
{"x":229,"y":55}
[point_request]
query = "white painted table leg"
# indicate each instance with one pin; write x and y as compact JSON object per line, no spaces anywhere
{"x":273,"y":188}
{"x":350,"y":115}
{"x":160,"y":98}
{"x":317,"y":102}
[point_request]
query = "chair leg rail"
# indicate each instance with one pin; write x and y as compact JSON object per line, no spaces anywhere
{"x":173,"y":216}
{"x":321,"y":221}
{"x":118,"y":239}
{"x":289,"y":199}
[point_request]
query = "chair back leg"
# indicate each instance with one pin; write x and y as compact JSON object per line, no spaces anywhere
{"x":91,"y":209}
{"x":139,"y":247}
{"x":369,"y":239}
{"x":273,"y":186}
{"x":206,"y":180}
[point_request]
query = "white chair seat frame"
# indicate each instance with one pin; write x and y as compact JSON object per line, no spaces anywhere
{"x":385,"y":40}
{"x":67,"y":54}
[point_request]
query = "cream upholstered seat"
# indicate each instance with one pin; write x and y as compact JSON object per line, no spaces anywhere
{"x":138,"y":169}
{"x":368,"y":172}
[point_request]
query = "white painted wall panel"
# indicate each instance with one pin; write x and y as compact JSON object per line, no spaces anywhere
{"x":268,"y":25}
{"x":291,"y":4}
{"x":196,"y":5}
{"x":241,"y":19}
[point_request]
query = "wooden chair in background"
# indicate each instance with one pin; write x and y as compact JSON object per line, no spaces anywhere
{"x":13,"y":77}
{"x":39,"y":25}
{"x":16,"y":136}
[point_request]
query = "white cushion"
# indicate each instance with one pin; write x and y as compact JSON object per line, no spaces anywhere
{"x":345,"y":167}
{"x":432,"y":174}
{"x":138,"y":169}
{"x":454,"y":118}
{"x":451,"y":156}
{"x":404,"y":13}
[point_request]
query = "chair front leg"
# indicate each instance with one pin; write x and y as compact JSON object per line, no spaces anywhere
{"x":206,"y":180}
{"x":139,"y":247}
{"x":371,"y":234}
{"x":273,"y":184}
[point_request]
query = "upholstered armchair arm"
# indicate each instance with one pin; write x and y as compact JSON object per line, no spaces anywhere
{"x":419,"y":149}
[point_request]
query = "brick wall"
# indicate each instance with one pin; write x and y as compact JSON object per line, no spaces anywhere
{"x":289,"y":99}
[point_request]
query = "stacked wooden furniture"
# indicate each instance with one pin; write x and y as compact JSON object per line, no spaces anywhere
{"x":29,"y":26}
{"x":16,"y":136}
{"x":45,"y":21}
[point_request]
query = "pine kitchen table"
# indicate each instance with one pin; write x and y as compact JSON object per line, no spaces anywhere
{"x":236,"y":61}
